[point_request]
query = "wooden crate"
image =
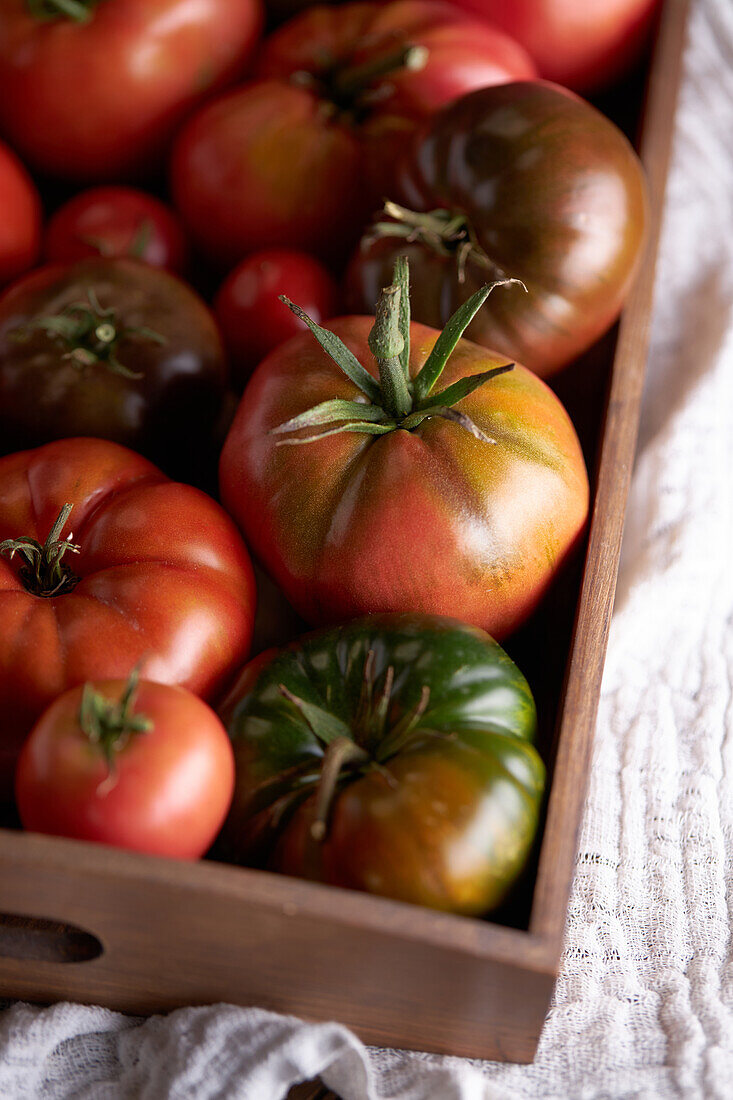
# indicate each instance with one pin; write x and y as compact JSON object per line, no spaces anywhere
{"x":101,"y":926}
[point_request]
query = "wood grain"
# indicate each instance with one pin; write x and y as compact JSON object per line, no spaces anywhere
{"x":174,"y":934}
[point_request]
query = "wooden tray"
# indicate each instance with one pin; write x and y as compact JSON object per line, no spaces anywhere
{"x":96,"y":925}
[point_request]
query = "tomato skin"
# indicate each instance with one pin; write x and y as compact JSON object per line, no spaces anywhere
{"x":408,"y":827}
{"x":251,"y":316}
{"x":583,"y":44}
{"x":171,"y":787}
{"x":163,"y":575}
{"x":116,"y":222}
{"x":20,"y":218}
{"x":165,"y":56}
{"x":233,"y":175}
{"x":169,"y":413}
{"x":430,"y":520}
{"x":555,"y":196}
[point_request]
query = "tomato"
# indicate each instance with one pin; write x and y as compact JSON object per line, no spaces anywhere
{"x":581,"y":43}
{"x":115,"y":349}
{"x":525,"y":180}
{"x":392,"y":755}
{"x":99,"y":96}
{"x":20,"y":218}
{"x":302,"y":156}
{"x":154,"y":569}
{"x":252,"y":318}
{"x":147,"y":767}
{"x":365,"y":496}
{"x":116,"y":222}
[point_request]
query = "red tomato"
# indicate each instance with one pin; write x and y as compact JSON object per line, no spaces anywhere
{"x":116,"y":222}
{"x":20,"y":218}
{"x":252,"y":318}
{"x":160,"y":572}
{"x":301,"y":157}
{"x":100,"y":97}
{"x":148,"y":767}
{"x":583,"y":44}
{"x":429,"y":515}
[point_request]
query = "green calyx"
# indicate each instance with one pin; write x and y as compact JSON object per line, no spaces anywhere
{"x":44,"y":573}
{"x":396,"y":400}
{"x":136,"y":248}
{"x":366,"y":744}
{"x":79,"y":11}
{"x":445,"y":232}
{"x":90,"y":334}
{"x":110,"y":724}
{"x":353,"y":89}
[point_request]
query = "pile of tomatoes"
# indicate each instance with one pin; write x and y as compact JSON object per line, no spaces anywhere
{"x":188,"y":192}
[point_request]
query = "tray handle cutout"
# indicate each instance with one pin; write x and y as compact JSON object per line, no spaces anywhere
{"x":23,"y":937}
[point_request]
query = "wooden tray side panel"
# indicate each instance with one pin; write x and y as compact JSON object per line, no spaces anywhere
{"x":168,"y":944}
{"x":585,"y":671}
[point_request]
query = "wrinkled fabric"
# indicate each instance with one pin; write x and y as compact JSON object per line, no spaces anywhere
{"x":644,"y":1003}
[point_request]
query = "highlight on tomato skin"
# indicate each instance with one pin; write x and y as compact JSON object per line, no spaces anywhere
{"x":392,"y":754}
{"x":131,"y":763}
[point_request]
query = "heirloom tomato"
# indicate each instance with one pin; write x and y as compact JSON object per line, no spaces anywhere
{"x":20,"y":218}
{"x":116,"y":222}
{"x":139,"y":765}
{"x":252,"y":318}
{"x":114,"y":349}
{"x":524,"y":180}
{"x":302,"y":156}
{"x":364,"y":488}
{"x":104,"y":561}
{"x":581,"y":43}
{"x":95,"y":89}
{"x":394,"y":755}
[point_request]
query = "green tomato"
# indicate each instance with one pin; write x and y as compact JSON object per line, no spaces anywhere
{"x":394,"y":755}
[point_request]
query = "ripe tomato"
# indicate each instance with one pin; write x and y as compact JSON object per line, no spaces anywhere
{"x":252,"y":318}
{"x":144,"y":766}
{"x":463,"y":502}
{"x":302,"y":156}
{"x":392,"y":755}
{"x":524,"y":180}
{"x":114,"y":349}
{"x":20,"y":218}
{"x":156,"y":571}
{"x":116,"y":222}
{"x":99,"y":96}
{"x":581,"y":43}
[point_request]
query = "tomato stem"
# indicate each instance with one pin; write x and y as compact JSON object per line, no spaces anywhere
{"x":348,"y":85}
{"x":395,"y":401}
{"x":448,"y":233}
{"x":90,"y":333}
{"x":110,"y":724}
{"x":44,"y":573}
{"x":386,"y":344}
{"x":338,"y":755}
{"x":79,"y":11}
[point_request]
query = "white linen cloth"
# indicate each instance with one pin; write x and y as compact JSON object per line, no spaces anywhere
{"x":644,"y":1003}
